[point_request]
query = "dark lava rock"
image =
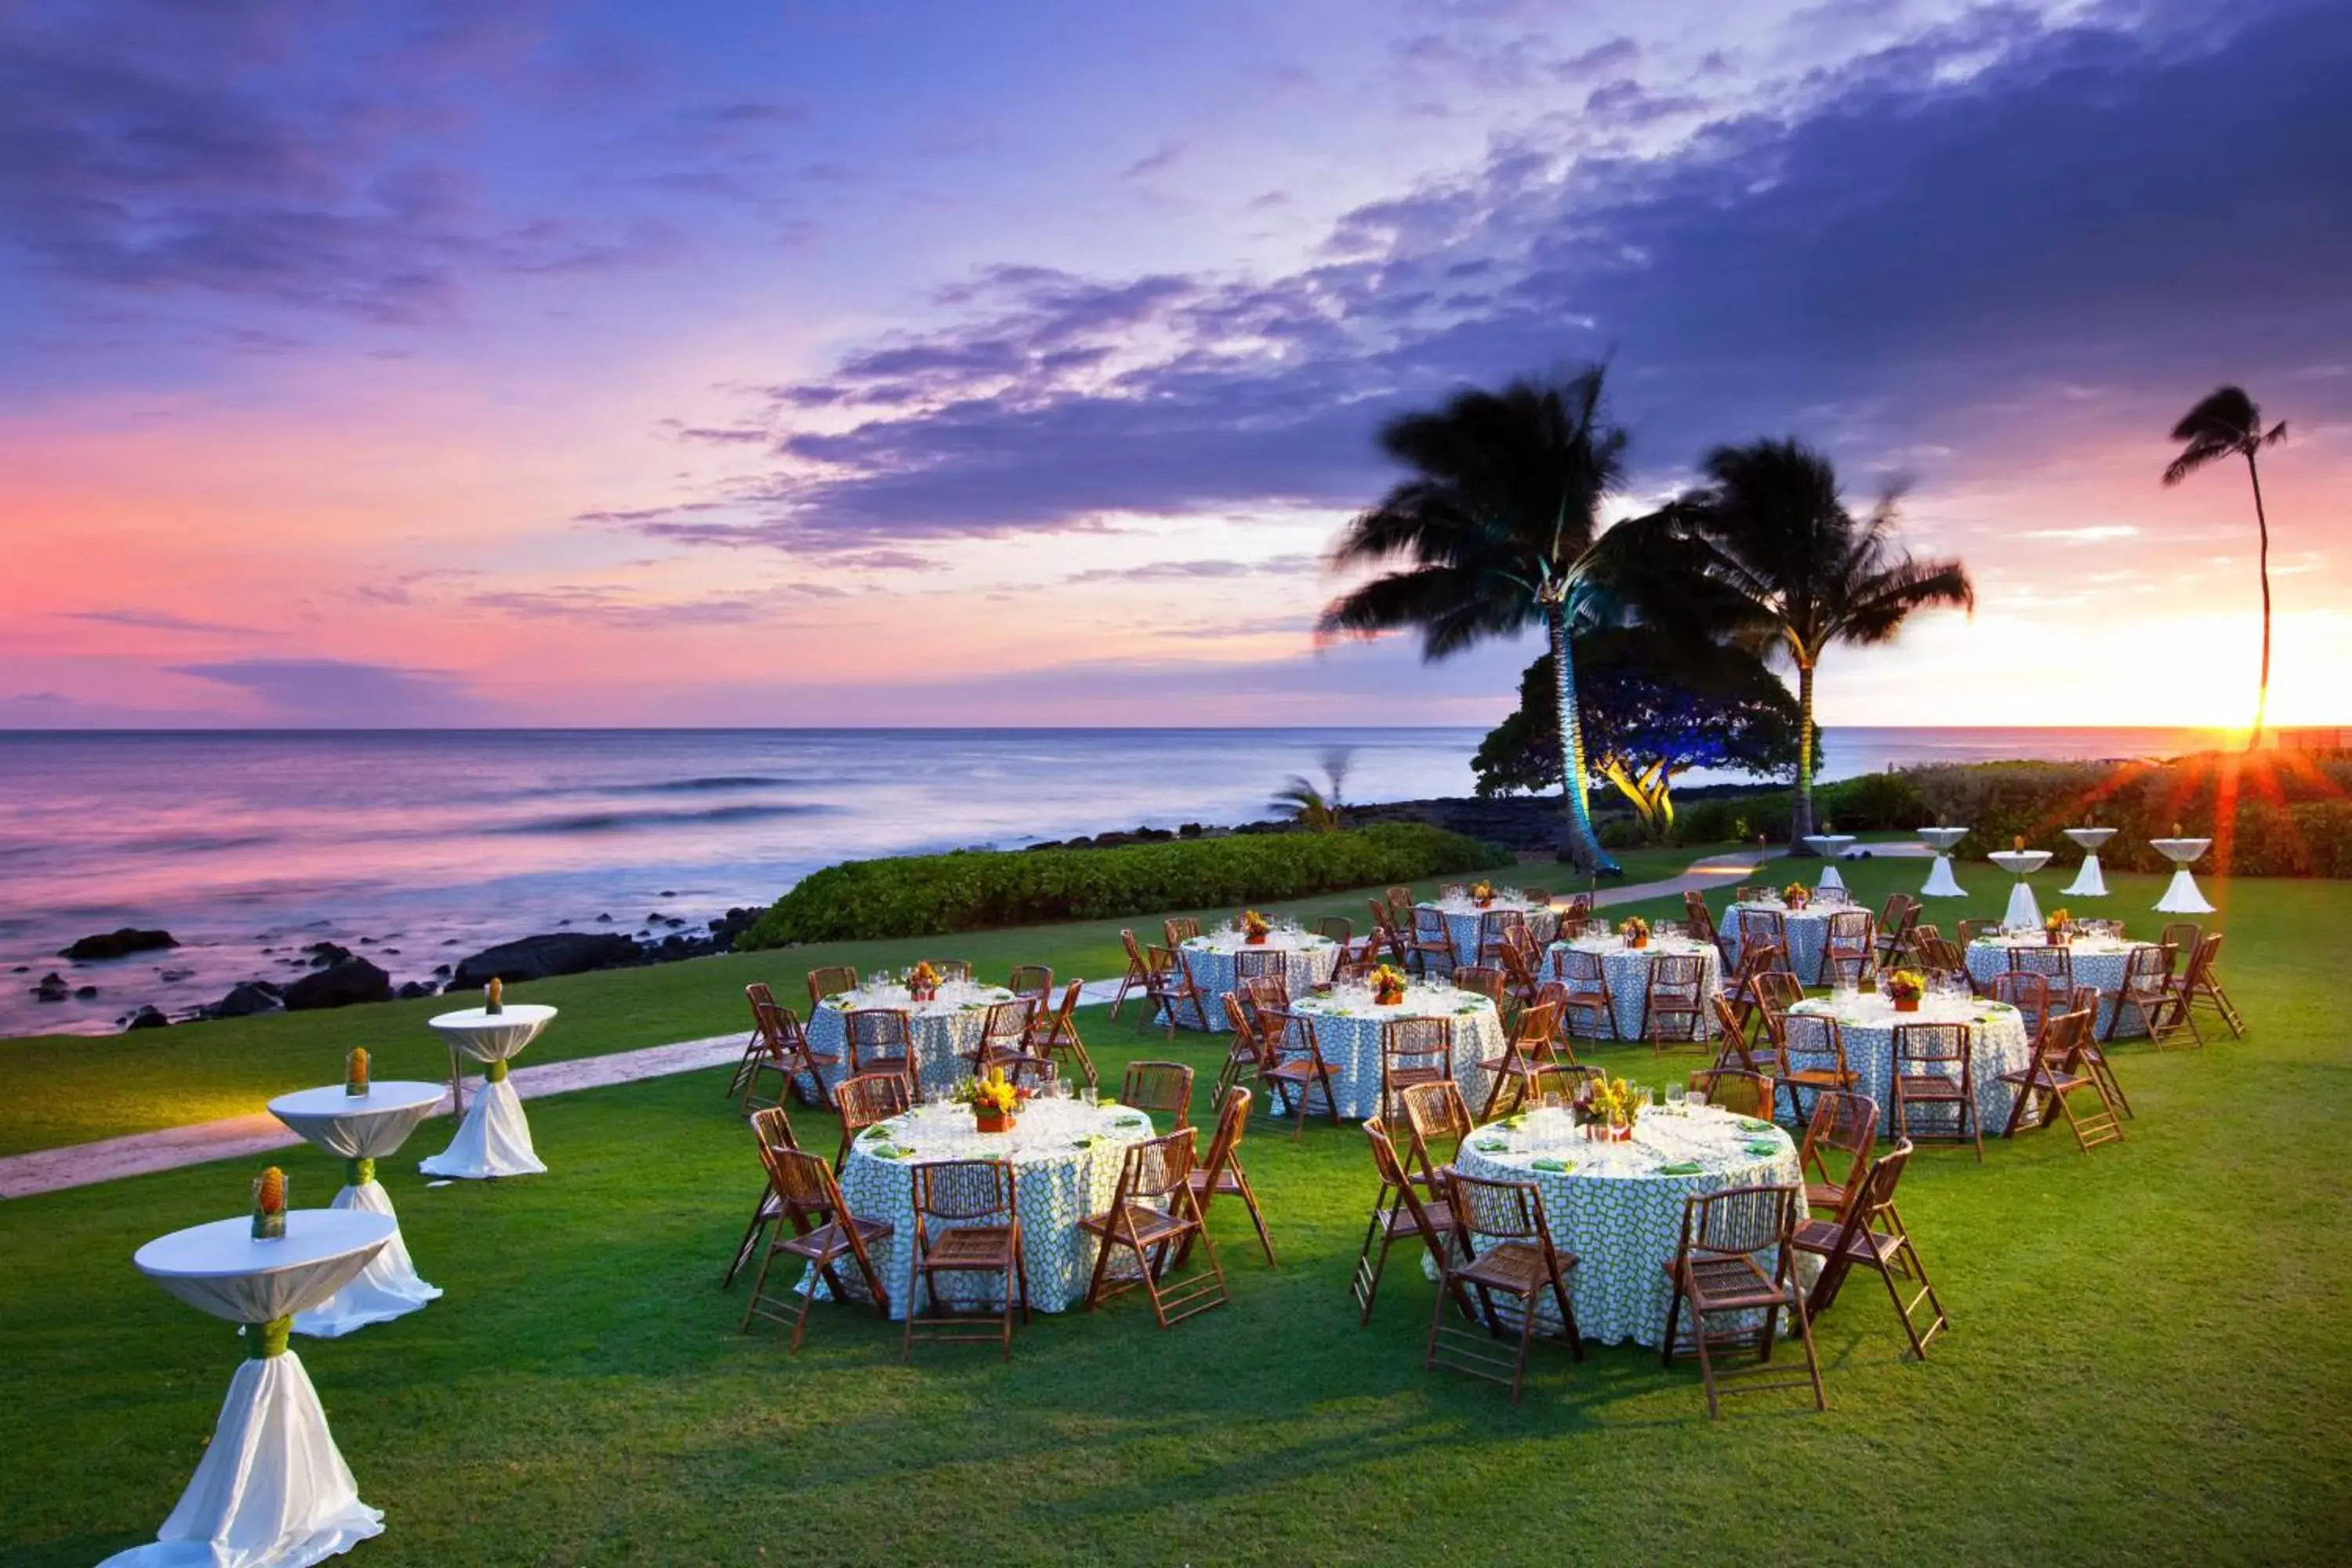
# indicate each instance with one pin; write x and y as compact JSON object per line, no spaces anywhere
{"x":326,"y":954}
{"x":173,"y":976}
{"x":552,"y":953}
{"x":413,"y":988}
{"x":51,"y":987}
{"x":148,"y":1017}
{"x":669,"y":892}
{"x":85,"y":993}
{"x":244,"y":1001}
{"x":118,"y":944}
{"x":441,"y":969}
{"x":672,"y":920}
{"x":604,"y":920}
{"x":350,"y":980}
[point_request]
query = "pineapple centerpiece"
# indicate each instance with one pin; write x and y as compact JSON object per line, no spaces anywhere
{"x":355,"y":1073}
{"x":270,"y":1205}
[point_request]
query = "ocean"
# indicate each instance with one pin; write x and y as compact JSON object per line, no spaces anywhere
{"x":417,"y":847}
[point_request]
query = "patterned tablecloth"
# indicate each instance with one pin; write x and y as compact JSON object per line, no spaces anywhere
{"x":1998,"y":1043}
{"x":1461,"y":922}
{"x":2097,"y":961}
{"x":1066,"y":1159}
{"x":1628,"y":969}
{"x":943,"y":1029}
{"x":1347,"y":1028}
{"x":1618,"y":1207}
{"x":1807,"y":929}
{"x":1307,"y":960}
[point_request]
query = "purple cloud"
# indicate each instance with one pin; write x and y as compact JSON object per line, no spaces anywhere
{"x":334,"y":693}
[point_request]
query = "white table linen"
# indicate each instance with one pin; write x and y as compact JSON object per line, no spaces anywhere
{"x":2020,"y":863}
{"x":2089,"y":881}
{"x":1998,"y":1043}
{"x":2099,"y":960}
{"x":272,"y":1489}
{"x":1462,"y":921}
{"x":494,"y":1139}
{"x":1347,"y":1028}
{"x":2181,"y":895}
{"x":1616,"y":1208}
{"x":1941,"y":883}
{"x":1066,"y":1158}
{"x":944,"y":1030}
{"x":1628,"y":971}
{"x":1308,"y":961}
{"x":1807,"y":929}
{"x":1829,"y":846}
{"x":363,"y":1128}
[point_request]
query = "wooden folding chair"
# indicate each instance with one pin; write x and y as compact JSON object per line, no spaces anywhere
{"x":771,"y":1130}
{"x":1004,"y":1031}
{"x":2150,"y":990}
{"x":1337,"y":928}
{"x":1244,"y":1047}
{"x":1695,"y":912}
{"x":2054,"y":1075}
{"x":1026,"y":1070}
{"x":1746,"y":989}
{"x":1776,"y":992}
{"x":1399,"y":1210}
{"x":754,"y":1045}
{"x":1296,"y":1067}
{"x":1137,"y":977}
{"x":1735,"y":1090}
{"x":1844,"y":1126}
{"x":1765,"y":929}
{"x":1178,"y":930}
{"x":1588,"y":1012}
{"x":1895,"y":927}
{"x":967,"y":1222}
{"x":781,"y":1046}
{"x":1494,"y":929}
{"x":1735,"y":1256}
{"x":1164,"y":1087}
{"x":1527,"y":1046}
{"x":1435,"y":1113}
{"x":2053,"y":962}
{"x":1869,"y":1232}
{"x":1969,"y":931}
{"x":1432,"y":942}
{"x":1848,"y":945}
{"x":2202,"y":987}
{"x":1812,"y":1057}
{"x":2030,"y":993}
{"x":1674,"y":1004}
{"x":866,"y":1099}
{"x":831,"y":979}
{"x":1055,"y":1035}
{"x":1221,"y":1175}
{"x":818,"y":1228}
{"x":2181,"y":937}
{"x":1413,"y":1051}
{"x":1934,"y":1065}
{"x":879,"y":1040}
{"x":1512,"y":1255}
{"x":1154,"y":1220}
{"x":1174,"y":997}
{"x":1735,"y":1049}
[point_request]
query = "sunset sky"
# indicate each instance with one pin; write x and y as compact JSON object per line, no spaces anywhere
{"x":735,"y":363}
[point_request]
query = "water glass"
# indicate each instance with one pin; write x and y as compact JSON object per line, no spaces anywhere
{"x":1091,"y":1096}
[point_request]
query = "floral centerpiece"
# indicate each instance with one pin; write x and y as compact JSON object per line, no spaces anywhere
{"x":355,"y":1073}
{"x":270,"y":1205}
{"x":1482,"y":893}
{"x":995,"y":1099}
{"x":923,"y":983}
{"x":2058,"y":928}
{"x":1795,"y":895}
{"x":1255,"y":928}
{"x":1635,"y":931}
{"x":1610,"y":1109}
{"x":1388,"y":982}
{"x":1904,"y":987}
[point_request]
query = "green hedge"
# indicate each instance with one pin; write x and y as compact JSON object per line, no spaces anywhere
{"x":928,"y":895}
{"x":1873,"y":803}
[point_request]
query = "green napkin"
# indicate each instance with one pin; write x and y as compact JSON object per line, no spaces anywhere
{"x":1762,"y":1148}
{"x":1466,"y":1008}
{"x":1559,"y":1165}
{"x":1490,"y":1145}
{"x":1518,"y":1120}
{"x":1107,"y":1103}
{"x":889,"y":1151}
{"x":1682,"y":1168}
{"x":1136,"y":1121}
{"x":1749,"y":1124}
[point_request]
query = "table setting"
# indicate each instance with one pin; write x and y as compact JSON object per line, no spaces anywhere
{"x":1627,"y":967}
{"x":1348,"y":1020}
{"x":1307,"y":960}
{"x":1463,"y":913}
{"x":2098,"y":952}
{"x":1998,"y":1042}
{"x":1619,"y":1205}
{"x":272,"y":1489}
{"x":1065,"y":1149}
{"x":362,"y":1120}
{"x":1941,"y":883}
{"x":494,"y":1136}
{"x":1804,"y":915}
{"x":945,"y":1026}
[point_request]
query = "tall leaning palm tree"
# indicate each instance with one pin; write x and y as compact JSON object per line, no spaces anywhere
{"x":1775,"y":561}
{"x":1496,"y":531}
{"x":2228,"y":423}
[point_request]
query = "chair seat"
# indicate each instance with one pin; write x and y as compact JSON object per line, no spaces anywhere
{"x":1819,"y":1236}
{"x":972,"y":1246}
{"x":828,"y":1242}
{"x":2046,"y":1078}
{"x":1930,"y":1086}
{"x":1514,"y":1266}
{"x":1299,"y":1070}
{"x":1149,"y":1224}
{"x":1825,"y":1195}
{"x":1406,"y":1078}
{"x":1821,"y":1078}
{"x":1228,"y":1183}
{"x":1728,"y":1284}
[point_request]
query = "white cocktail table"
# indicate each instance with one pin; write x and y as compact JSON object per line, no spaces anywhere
{"x":2181,"y":897}
{"x":1829,"y":846}
{"x":363,"y":1128}
{"x":2023,"y":911}
{"x":271,"y":1491}
{"x":2089,"y":882}
{"x":1941,"y":883}
{"x":494,"y":1139}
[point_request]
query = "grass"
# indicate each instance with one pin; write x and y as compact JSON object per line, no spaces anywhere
{"x":2146,"y":1361}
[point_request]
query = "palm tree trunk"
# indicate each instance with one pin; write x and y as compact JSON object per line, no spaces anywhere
{"x":1581,"y":844}
{"x":2262,"y":524}
{"x":1800,"y":815}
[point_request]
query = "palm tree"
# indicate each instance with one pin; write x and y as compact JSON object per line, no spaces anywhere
{"x":2228,"y":423}
{"x":1496,"y":532}
{"x":1770,"y":558}
{"x":1316,"y":807}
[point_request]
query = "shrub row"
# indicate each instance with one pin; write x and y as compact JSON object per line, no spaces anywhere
{"x":928,"y":895}
{"x":1873,"y":803}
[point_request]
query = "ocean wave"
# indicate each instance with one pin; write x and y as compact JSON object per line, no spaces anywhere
{"x":621,"y":821}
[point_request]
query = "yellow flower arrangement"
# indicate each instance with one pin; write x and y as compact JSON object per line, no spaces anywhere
{"x":2059,"y":921}
{"x":925,"y":977}
{"x":1254,"y":924}
{"x":1614,"y":1104}
{"x":990,"y":1097}
{"x":1482,"y":892}
{"x":1388,"y":983}
{"x":1634,"y":927}
{"x":1906,"y":986}
{"x":1794,"y":893}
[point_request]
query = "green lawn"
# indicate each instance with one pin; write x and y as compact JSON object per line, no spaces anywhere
{"x":2147,"y":1360}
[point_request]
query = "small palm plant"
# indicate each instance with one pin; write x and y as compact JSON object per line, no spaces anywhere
{"x":1318,"y":809}
{"x":2226,"y":422}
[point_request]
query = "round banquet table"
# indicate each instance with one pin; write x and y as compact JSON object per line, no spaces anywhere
{"x":944,"y":1029}
{"x":2098,"y":961}
{"x":494,"y":1139}
{"x":1347,"y":1024}
{"x":1628,"y":970}
{"x":1618,"y":1207}
{"x":1807,"y":929}
{"x":1998,"y":1043}
{"x":272,"y":1490}
{"x":1462,"y":921}
{"x":363,"y":1128}
{"x":1308,"y":962}
{"x":1066,"y":1158}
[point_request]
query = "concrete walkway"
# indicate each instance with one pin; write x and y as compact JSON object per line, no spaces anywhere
{"x":82,"y":1164}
